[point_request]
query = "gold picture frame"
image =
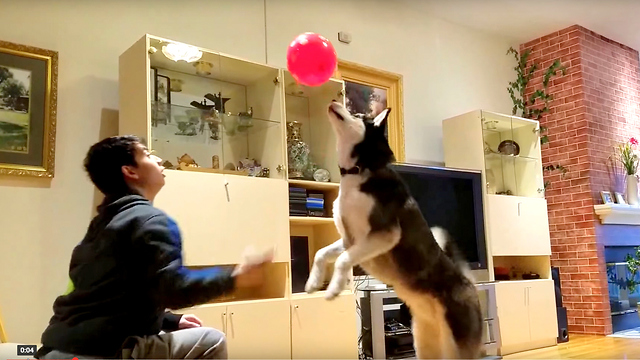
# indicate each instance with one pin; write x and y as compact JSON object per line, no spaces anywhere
{"x":28,"y":110}
{"x":361,"y":76}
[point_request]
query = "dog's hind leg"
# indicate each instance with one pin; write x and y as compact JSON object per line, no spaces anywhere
{"x":362,"y":250}
{"x":433,"y":341}
{"x":319,"y":268}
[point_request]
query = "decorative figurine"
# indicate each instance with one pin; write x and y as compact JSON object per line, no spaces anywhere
{"x":322,"y":175}
{"x":245,"y":120}
{"x":215,"y":162}
{"x":186,"y":160}
{"x":297,"y":151}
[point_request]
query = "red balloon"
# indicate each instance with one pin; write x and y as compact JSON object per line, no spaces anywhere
{"x":311,"y":59}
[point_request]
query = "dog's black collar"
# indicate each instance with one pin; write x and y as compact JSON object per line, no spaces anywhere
{"x":353,"y":171}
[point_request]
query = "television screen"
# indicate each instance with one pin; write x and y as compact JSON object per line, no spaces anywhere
{"x":452,"y":200}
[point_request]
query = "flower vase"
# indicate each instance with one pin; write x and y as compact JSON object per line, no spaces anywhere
{"x":632,"y":190}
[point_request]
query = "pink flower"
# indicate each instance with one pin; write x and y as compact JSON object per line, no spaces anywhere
{"x":633,"y":141}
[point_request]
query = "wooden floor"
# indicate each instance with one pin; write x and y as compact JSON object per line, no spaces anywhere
{"x":586,"y":347}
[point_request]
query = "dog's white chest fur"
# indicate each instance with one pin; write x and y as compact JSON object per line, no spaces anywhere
{"x":351,"y":210}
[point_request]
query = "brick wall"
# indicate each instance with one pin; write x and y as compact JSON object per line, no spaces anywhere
{"x":593,"y":105}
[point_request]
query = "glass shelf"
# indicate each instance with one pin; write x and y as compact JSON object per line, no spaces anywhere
{"x":216,"y":142}
{"x":512,"y":155}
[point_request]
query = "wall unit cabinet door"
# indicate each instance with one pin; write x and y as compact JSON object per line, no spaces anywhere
{"x":322,"y":329}
{"x":543,"y":318}
{"x":198,"y":202}
{"x":518,"y":226}
{"x":535,"y":226}
{"x":212,"y":315}
{"x":259,"y":330}
{"x":526,"y":314}
{"x":221,"y":215}
{"x":258,"y":215}
{"x":503,"y":222}
{"x":513,"y":315}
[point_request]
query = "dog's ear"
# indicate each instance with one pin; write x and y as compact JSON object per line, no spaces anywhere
{"x":381,"y":119}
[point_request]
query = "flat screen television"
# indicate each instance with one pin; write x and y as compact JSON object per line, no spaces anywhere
{"x":451,"y":199}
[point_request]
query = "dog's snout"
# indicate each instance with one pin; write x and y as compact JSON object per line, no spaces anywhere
{"x":334,"y":108}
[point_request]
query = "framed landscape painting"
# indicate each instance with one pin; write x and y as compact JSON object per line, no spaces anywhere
{"x":28,"y":98}
{"x":368,"y":91}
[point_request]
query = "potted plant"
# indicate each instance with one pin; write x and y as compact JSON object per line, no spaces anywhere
{"x":629,"y":159}
{"x":633,"y":264}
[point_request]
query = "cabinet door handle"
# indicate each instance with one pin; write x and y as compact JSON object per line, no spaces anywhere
{"x":233,"y":332}
{"x":519,"y":205}
{"x":224,"y":322}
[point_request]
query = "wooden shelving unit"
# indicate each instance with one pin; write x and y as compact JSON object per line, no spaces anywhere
{"x":516,"y":220}
{"x":222,"y":211}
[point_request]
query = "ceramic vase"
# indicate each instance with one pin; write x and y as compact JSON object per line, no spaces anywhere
{"x":632,"y":190}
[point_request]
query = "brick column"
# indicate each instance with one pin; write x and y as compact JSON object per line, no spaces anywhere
{"x":594,"y":105}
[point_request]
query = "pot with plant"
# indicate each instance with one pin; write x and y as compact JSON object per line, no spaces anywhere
{"x":633,"y":264}
{"x":535,"y":105}
{"x":629,"y":159}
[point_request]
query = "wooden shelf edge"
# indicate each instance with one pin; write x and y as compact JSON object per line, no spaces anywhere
{"x":521,"y":281}
{"x":238,"y":302}
{"x":315,"y":185}
{"x":310,"y":220}
{"x":317,"y":294}
{"x":618,"y":214}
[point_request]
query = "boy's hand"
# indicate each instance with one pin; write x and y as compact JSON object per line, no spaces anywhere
{"x":251,"y":273}
{"x":189,"y":321}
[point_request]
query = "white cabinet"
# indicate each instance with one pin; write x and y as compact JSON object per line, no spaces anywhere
{"x":254,"y":330}
{"x":507,"y":150}
{"x":526,"y":314}
{"x":314,"y":330}
{"x":518,"y":226}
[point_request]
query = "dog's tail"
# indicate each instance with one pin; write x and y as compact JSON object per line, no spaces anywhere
{"x":451,"y":250}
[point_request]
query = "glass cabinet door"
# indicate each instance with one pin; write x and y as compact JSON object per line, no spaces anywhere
{"x":512,"y":155}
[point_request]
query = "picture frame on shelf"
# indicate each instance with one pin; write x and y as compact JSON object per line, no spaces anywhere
{"x":162,"y":89}
{"x":619,"y":197}
{"x":369,"y":91}
{"x":28,"y":109}
{"x":607,"y":198}
{"x":153,"y":73}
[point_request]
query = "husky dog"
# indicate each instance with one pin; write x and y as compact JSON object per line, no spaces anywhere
{"x":385,"y":233}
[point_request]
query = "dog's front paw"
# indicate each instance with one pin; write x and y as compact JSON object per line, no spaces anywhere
{"x":313,"y":283}
{"x":332,"y":292}
{"x":336,"y":286}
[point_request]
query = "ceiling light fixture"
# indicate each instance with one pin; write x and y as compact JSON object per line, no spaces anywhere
{"x":176,"y":51}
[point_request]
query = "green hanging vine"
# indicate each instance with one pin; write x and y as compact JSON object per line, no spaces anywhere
{"x":537,"y":104}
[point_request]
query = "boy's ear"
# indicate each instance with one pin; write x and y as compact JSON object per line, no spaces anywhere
{"x":381,"y":119}
{"x":129,"y":172}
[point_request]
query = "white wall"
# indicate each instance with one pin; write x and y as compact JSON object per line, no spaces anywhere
{"x":447,"y":70}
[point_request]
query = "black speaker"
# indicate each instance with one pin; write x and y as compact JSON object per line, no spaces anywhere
{"x":299,"y":263}
{"x":561,"y":311}
{"x":555,"y":275}
{"x":563,"y":327}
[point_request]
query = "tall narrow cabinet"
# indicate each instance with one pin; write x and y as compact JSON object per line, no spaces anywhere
{"x":220,"y":125}
{"x":507,"y":151}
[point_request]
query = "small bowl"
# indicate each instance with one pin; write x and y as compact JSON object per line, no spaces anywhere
{"x":509,"y":147}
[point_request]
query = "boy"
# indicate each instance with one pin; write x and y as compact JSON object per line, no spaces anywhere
{"x":128,"y":269}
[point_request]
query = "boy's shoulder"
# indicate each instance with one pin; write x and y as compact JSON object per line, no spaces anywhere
{"x":135,"y":209}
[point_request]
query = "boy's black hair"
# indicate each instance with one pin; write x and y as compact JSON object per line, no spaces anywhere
{"x":104,"y":162}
